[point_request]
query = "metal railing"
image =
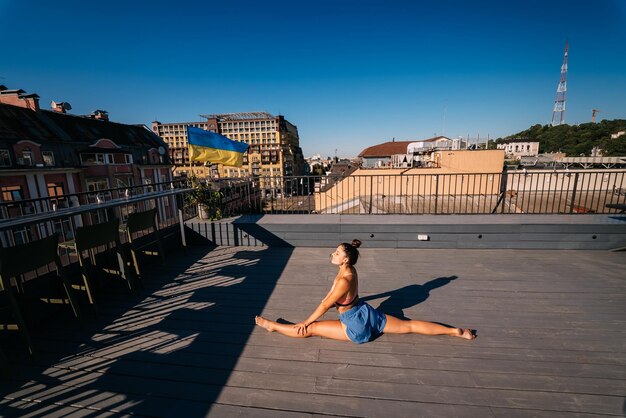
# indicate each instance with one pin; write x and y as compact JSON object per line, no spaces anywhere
{"x":15,"y":208}
{"x":63,"y":215}
{"x":509,"y":192}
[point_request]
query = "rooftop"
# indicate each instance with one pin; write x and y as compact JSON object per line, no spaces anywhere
{"x":386,"y":149}
{"x":551,"y":339}
{"x":17,"y":123}
{"x":513,"y":140}
{"x":240,"y":116}
{"x":389,"y":148}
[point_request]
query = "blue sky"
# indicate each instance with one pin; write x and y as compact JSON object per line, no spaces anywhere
{"x":349,"y":74}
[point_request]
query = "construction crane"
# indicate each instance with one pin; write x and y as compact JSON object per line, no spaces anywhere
{"x":594,"y":112}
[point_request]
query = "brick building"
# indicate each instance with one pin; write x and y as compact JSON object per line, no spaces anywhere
{"x":50,"y":153}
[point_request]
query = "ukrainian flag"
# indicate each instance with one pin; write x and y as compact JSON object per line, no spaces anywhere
{"x":208,"y":146}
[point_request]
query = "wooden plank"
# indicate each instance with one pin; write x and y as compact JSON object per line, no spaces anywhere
{"x":102,"y":400}
{"x":527,"y":400}
{"x":523,"y":413}
{"x":550,"y":324}
{"x":26,"y":409}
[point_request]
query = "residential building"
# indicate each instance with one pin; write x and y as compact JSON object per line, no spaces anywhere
{"x":519,"y":147}
{"x":317,"y":164}
{"x":448,"y":171}
{"x":618,"y":134}
{"x":405,"y":154}
{"x":274,"y":145}
{"x":50,"y":153}
{"x":378,"y":156}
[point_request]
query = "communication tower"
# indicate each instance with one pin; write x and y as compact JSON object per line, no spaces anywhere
{"x":558,"y":114}
{"x":594,"y":112}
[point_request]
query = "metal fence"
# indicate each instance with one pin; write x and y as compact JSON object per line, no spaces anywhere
{"x":509,"y":192}
{"x":519,"y":191}
{"x":27,"y":220}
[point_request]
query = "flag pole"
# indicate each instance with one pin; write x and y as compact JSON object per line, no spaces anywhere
{"x":189,"y":153}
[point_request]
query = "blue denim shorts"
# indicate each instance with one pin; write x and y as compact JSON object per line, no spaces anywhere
{"x":363,"y":323}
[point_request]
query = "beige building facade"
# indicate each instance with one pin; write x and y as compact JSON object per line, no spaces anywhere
{"x":274,"y":145}
{"x":454,"y":172}
{"x":517,"y":148}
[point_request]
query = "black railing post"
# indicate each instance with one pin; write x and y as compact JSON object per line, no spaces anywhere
{"x":371,"y":194}
{"x":503,"y":186}
{"x":436,"y":192}
{"x":571,"y":206}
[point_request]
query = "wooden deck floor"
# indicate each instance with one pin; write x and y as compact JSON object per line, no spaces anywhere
{"x":551,"y":326}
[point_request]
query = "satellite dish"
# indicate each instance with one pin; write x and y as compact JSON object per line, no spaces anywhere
{"x":161,"y":150}
{"x":64,"y":105}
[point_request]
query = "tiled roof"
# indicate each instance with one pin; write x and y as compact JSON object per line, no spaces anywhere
{"x":386,"y":149}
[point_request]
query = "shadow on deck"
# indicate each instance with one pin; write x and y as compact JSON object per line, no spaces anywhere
{"x":167,"y":351}
{"x":552,"y":340}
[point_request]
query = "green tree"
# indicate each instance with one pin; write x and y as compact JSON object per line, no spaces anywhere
{"x":575,"y":140}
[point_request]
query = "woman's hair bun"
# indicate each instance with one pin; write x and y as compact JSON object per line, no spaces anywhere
{"x":356,"y":243}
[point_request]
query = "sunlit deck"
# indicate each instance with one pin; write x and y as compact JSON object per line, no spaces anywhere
{"x":551,"y":326}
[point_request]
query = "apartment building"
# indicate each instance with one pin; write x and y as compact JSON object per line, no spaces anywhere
{"x":51,"y":153}
{"x":274,"y":145}
{"x":519,"y":147}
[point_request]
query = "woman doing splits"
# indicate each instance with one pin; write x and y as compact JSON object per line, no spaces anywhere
{"x":358,"y":321}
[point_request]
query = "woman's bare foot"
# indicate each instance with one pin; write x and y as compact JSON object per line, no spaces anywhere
{"x":466,"y":333}
{"x":264,"y":323}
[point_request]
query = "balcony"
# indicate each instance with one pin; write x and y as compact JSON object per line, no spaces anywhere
{"x":546,"y":319}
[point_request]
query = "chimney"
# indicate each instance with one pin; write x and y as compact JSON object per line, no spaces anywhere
{"x":19,"y":98}
{"x":60,"y":107}
{"x":100,"y":115}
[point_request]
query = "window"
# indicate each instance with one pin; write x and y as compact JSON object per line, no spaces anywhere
{"x":5,"y":158}
{"x":48,"y":158}
{"x":91,"y":159}
{"x":27,"y":157}
{"x":55,"y":189}
{"x":21,"y":236}
{"x":56,"y":192}
{"x":121,"y":158}
{"x":148,"y":182}
{"x":12,"y":193}
{"x":123,"y":182}
{"x":97,"y":184}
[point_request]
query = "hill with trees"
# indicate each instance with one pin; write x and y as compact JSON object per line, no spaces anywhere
{"x":577,"y":140}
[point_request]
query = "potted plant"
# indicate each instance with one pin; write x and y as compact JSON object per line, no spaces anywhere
{"x":208,"y":201}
